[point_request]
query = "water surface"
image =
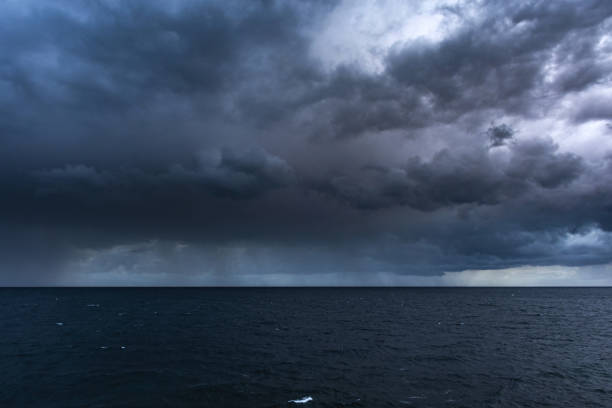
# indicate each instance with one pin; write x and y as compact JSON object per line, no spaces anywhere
{"x":370,"y":347}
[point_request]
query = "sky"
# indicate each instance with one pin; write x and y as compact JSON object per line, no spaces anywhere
{"x":364,"y":142}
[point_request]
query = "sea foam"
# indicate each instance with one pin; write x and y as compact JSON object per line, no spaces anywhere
{"x":302,"y":400}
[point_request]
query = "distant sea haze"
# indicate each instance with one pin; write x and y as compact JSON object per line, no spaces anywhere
{"x":323,"y":347}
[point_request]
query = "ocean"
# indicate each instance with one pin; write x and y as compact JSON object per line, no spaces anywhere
{"x":306,"y":347}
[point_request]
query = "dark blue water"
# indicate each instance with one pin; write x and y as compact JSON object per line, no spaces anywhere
{"x":342,"y":347}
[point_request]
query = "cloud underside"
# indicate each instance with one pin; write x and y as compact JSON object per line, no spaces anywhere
{"x":265,"y":143}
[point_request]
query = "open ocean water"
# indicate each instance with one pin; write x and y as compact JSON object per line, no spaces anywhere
{"x":366,"y":347}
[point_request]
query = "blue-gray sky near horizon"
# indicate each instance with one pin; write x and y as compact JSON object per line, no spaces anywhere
{"x":447,"y":142}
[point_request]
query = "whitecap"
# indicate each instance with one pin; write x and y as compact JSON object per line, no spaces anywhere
{"x":302,"y":400}
{"x":59,"y":323}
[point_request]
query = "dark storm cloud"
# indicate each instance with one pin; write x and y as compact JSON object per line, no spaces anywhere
{"x":496,"y":63}
{"x":118,"y":53}
{"x":184,"y":196}
{"x":473,"y":177}
{"x":500,"y":135}
{"x":499,"y":62}
{"x":500,"y":59}
{"x":211,"y":133}
{"x":223,"y":173}
{"x":538,"y":161}
{"x":106,"y":82}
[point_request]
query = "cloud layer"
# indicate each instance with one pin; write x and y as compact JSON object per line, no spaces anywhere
{"x":309,"y":143}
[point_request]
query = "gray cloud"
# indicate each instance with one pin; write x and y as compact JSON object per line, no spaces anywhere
{"x":220,"y":172}
{"x":500,"y":135}
{"x":472,"y":177}
{"x":499,"y":62}
{"x":537,"y":161}
{"x":214,"y":134}
{"x":595,"y":107}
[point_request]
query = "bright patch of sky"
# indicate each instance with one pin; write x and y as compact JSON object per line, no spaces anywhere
{"x":362,"y":33}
